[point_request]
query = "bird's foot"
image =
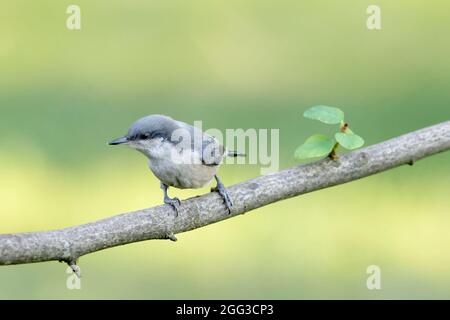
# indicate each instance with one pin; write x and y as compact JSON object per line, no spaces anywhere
{"x":225,"y":195}
{"x":174,"y":203}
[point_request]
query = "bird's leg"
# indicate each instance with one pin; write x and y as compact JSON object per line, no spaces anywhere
{"x":173,"y":202}
{"x":224,"y":193}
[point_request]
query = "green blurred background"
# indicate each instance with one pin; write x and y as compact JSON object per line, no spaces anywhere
{"x":232,"y":64}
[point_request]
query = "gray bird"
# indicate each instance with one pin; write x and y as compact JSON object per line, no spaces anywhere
{"x":180,"y":155}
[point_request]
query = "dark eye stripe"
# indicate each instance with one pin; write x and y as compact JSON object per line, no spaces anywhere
{"x":151,"y":135}
{"x":158,"y":134}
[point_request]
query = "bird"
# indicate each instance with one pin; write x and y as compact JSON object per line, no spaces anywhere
{"x":180,"y":155}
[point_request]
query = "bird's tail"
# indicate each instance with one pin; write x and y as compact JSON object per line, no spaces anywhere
{"x":235,"y":154}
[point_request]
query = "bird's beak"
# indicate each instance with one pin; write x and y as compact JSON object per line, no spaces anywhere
{"x":119,"y":141}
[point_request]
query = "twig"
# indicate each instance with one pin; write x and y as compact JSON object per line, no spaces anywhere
{"x":160,"y":222}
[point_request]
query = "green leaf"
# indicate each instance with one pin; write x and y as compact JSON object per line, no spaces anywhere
{"x":317,"y":145}
{"x":349,"y":140}
{"x":328,"y":115}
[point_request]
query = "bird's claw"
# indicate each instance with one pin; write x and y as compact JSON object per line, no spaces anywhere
{"x":225,"y":196}
{"x":174,"y":203}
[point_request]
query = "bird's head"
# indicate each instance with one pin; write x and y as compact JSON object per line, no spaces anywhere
{"x":147,"y":132}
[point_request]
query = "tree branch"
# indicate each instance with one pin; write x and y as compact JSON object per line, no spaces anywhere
{"x":160,"y":222}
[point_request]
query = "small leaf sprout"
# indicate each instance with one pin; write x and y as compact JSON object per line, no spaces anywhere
{"x":319,"y":145}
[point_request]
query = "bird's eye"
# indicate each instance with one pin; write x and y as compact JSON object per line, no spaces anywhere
{"x":144,"y":135}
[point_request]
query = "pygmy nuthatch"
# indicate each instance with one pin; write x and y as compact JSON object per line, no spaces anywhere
{"x":180,"y":155}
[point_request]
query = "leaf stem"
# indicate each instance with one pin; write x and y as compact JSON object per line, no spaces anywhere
{"x":333,"y":155}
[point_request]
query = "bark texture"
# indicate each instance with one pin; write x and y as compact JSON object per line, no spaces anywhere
{"x":160,"y":222}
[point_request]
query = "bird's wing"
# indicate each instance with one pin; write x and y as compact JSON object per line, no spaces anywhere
{"x":211,"y":151}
